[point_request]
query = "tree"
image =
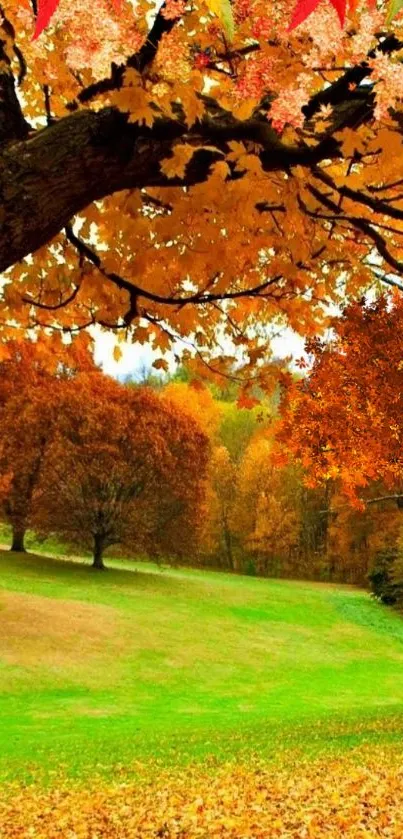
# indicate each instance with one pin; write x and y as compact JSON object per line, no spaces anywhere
{"x":222,"y":475}
{"x":195,"y":180}
{"x":266,"y":511}
{"x":196,"y":401}
{"x":31,"y":377}
{"x":237,"y":428}
{"x":344,"y":420}
{"x":106,"y":475}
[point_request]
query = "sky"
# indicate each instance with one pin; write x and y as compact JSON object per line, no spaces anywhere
{"x":137,"y":359}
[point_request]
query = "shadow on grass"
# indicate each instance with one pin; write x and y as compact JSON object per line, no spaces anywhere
{"x":78,"y":570}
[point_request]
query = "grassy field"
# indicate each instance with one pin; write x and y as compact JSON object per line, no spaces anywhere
{"x":106,"y":672}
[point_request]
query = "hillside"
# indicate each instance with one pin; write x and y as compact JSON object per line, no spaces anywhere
{"x":197,"y":664}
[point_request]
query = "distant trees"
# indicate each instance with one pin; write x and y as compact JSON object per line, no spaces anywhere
{"x":172,"y":471}
{"x":343,"y":424}
{"x":93,"y":461}
{"x":267,"y":508}
{"x":28,"y":428}
{"x":223,"y":477}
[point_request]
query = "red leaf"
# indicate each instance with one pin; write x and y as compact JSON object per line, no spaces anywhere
{"x":340,"y":6}
{"x":304,"y":8}
{"x":247,"y":402}
{"x":46,"y":8}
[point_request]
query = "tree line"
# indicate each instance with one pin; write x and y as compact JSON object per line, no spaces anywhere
{"x":173,"y":469}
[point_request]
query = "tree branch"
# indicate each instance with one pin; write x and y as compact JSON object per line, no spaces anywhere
{"x":199,"y":298}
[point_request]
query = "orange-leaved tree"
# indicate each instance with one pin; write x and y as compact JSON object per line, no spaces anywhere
{"x":32,"y":374}
{"x":121,"y":461}
{"x":343,"y":422}
{"x":197,"y":402}
{"x":198,"y":174}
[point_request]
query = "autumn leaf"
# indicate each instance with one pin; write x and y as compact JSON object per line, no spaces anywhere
{"x":46,"y":9}
{"x":223,"y":10}
{"x":394,"y":7}
{"x":304,"y":9}
{"x":247,"y":402}
{"x":161,"y":364}
{"x":175,"y":166}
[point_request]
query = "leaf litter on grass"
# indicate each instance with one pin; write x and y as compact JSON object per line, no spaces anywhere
{"x":358,"y":796}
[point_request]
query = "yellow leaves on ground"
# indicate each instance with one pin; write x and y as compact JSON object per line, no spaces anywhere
{"x":349,"y":798}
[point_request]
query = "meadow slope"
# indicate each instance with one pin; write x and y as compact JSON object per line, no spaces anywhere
{"x":106,"y":672}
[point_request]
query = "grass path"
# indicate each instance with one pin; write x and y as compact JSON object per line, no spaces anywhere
{"x":101,"y":672}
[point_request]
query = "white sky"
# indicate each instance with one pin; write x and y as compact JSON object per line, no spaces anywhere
{"x":138,"y":358}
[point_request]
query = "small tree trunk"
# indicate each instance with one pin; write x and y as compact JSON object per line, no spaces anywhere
{"x":98,"y":562}
{"x":18,"y":540}
{"x":228,"y":547}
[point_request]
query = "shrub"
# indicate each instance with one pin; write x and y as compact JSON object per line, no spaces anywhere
{"x":386,"y":576}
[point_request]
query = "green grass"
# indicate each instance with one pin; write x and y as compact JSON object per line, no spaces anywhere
{"x":102,"y":672}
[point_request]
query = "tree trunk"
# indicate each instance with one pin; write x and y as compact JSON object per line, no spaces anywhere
{"x":228,"y":547}
{"x":99,"y":548}
{"x":18,"y":540}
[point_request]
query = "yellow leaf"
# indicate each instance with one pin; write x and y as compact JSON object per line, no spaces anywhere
{"x":245,"y":109}
{"x":134,"y":100}
{"x":193,"y":108}
{"x":175,"y":166}
{"x":223,"y":10}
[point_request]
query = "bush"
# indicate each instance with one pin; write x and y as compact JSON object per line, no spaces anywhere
{"x":250,"y":568}
{"x":386,"y":576}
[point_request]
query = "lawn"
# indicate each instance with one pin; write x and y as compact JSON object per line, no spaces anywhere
{"x":106,"y":673}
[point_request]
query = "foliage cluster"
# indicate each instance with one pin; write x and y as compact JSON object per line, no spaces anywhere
{"x":204,"y":183}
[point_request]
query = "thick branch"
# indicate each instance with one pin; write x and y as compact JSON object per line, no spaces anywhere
{"x":47,"y":179}
{"x":398,"y":497}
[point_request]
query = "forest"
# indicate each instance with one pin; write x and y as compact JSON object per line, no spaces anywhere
{"x":184,"y":471}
